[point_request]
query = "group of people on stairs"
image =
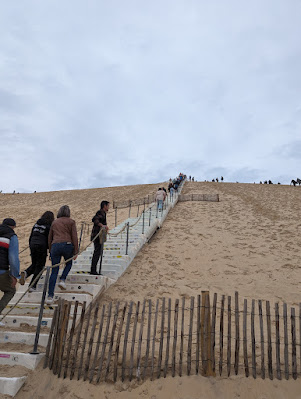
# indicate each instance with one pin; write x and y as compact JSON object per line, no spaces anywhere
{"x":59,"y":237}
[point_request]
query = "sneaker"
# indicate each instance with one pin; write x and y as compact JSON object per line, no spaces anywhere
{"x":49,"y":300}
{"x":2,"y":324}
{"x":62,"y":285}
{"x":32,"y":289}
{"x":23,"y":277}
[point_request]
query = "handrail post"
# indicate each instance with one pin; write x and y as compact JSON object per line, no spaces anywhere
{"x":150,"y":215}
{"x":143,"y":223}
{"x":116,"y":216}
{"x":127,"y":238}
{"x":101,"y":250}
{"x":80,"y":237}
{"x":130,"y":206}
{"x":36,"y":341}
{"x":138,"y":210}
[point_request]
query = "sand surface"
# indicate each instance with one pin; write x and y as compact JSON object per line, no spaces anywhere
{"x":249,"y":241}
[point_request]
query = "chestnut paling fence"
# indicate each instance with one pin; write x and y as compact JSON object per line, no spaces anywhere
{"x":149,"y":340}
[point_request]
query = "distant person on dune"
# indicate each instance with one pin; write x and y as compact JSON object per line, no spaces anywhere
{"x":99,"y":222}
{"x":9,"y":262}
{"x":38,"y":244}
{"x":63,"y":242}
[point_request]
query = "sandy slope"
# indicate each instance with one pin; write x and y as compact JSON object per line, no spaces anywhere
{"x":250,"y":241}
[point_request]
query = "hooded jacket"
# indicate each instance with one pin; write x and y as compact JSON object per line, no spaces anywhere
{"x":39,"y":234}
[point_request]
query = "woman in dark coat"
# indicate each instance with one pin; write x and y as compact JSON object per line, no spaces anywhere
{"x":38,"y":243}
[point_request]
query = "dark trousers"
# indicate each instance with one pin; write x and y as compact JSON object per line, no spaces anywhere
{"x":96,"y":255}
{"x":38,"y":259}
{"x":6,"y":287}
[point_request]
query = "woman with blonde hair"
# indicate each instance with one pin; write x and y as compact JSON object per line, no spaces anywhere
{"x":62,"y":242}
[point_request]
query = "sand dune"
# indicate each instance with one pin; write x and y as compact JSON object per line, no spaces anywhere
{"x":249,"y":241}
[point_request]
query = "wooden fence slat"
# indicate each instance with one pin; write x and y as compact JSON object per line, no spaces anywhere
{"x":189,"y":346}
{"x":253,"y":339}
{"x":161,"y":338}
{"x":98,"y":343}
{"x":294,"y":350}
{"x":50,"y":339}
{"x":300,"y":333}
{"x":229,"y":338}
{"x":91,"y":340}
{"x":198,"y":335}
{"x":154,"y":339}
{"x":209,"y":371}
{"x":125,"y":342}
{"x":168,"y":338}
{"x":64,"y":337}
{"x":140,"y":341}
{"x":53,"y":358}
{"x":104,"y":344}
{"x":278,"y":370}
{"x":246,"y":362}
{"x":118,"y":341}
{"x":286,"y":367}
{"x":213,"y":322}
{"x":60,"y":338}
{"x":133,"y":341}
{"x":261,"y":339}
{"x":182,"y":337}
{"x":112,"y":341}
{"x":175,"y":336}
{"x":80,"y":326}
{"x":71,"y":338}
{"x":270,"y":361}
{"x":221,"y":336}
{"x":148,"y":338}
{"x":84,"y":343}
{"x":236,"y":334}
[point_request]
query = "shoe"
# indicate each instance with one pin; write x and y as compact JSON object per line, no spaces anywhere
{"x":2,"y":324}
{"x":32,"y":289}
{"x":62,"y":285}
{"x":94,"y":273}
{"x":23,"y":277}
{"x":49,"y":300}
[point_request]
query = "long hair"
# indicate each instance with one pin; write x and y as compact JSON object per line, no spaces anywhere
{"x":64,"y":211}
{"x":48,"y":216}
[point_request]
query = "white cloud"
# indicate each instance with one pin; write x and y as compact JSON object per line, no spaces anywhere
{"x":102,"y":93}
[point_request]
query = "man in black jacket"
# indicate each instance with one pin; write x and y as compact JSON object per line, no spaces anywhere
{"x":99,"y":222}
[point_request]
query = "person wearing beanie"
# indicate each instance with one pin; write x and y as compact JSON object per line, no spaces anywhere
{"x":9,"y":262}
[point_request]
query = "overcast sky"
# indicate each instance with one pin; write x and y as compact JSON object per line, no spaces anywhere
{"x":99,"y":93}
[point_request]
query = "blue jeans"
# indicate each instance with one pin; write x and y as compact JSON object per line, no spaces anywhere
{"x":160,"y":204}
{"x":57,"y":251}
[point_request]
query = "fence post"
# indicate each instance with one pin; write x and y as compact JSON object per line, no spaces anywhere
{"x":116,"y":216}
{"x":150,"y":216}
{"x":101,"y":250}
{"x":138,"y":210}
{"x":127,"y":238}
{"x":80,"y":237}
{"x":143,"y":222}
{"x":130,"y":206}
{"x":36,"y":341}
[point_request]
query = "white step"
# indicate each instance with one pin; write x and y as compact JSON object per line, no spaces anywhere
{"x":11,"y":385}
{"x":36,"y":297}
{"x":17,"y":337}
{"x":92,"y":289}
{"x":17,"y":321}
{"x":20,"y":359}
